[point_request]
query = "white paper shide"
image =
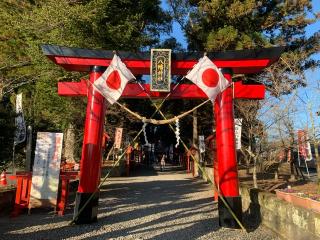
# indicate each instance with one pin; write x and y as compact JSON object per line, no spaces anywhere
{"x":237,"y":131}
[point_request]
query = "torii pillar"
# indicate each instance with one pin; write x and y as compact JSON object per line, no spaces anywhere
{"x":226,"y":156}
{"x":93,"y":61}
{"x":91,"y":157}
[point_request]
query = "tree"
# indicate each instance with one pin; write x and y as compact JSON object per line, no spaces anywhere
{"x":221,"y":25}
{"x":6,"y":132}
{"x":233,"y":25}
{"x":80,"y":23}
{"x":314,"y":137}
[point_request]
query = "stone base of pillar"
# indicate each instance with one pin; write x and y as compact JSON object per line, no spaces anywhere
{"x":225,"y":217}
{"x":90,"y":212}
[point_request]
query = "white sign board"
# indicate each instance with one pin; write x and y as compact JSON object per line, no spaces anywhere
{"x":202,"y":146}
{"x":237,"y":131}
{"x":46,"y":170}
{"x":118,"y":138}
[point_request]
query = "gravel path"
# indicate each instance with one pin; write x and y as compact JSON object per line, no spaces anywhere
{"x":154,"y":205}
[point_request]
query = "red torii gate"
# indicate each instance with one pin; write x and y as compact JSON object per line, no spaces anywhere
{"x":96,"y":61}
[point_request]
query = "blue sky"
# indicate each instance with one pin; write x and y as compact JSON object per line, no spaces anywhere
{"x":176,"y":29}
{"x":304,"y":97}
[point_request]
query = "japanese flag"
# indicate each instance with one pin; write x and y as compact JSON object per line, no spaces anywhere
{"x":113,"y":81}
{"x":208,"y":77}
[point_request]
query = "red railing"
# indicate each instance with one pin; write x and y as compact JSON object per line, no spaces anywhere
{"x":24,"y":180}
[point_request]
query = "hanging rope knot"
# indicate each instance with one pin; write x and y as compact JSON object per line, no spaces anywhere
{"x":177,"y":132}
{"x":144,"y":130}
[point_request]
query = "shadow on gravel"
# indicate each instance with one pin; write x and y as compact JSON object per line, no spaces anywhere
{"x":252,"y":216}
{"x":127,"y":208}
{"x":166,"y":200}
{"x":143,"y":170}
{"x":154,"y":170}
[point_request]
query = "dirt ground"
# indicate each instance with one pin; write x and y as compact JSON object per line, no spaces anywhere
{"x":267,"y":181}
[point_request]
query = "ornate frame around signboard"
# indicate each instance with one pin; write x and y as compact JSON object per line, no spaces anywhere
{"x":160,"y":70}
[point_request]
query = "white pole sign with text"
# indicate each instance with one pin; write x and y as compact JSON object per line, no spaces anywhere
{"x":46,"y":170}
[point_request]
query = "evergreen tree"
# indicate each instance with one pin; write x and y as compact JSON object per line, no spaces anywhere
{"x":220,"y":25}
{"x":108,"y":24}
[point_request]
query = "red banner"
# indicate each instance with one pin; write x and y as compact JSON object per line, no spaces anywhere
{"x":118,"y":138}
{"x":304,"y":145}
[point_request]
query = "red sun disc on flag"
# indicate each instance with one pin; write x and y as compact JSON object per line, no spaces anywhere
{"x":114,"y":81}
{"x":210,"y":77}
